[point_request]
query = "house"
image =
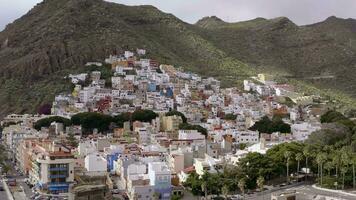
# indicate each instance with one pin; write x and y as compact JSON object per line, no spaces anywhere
{"x":95,"y":163}
{"x":160,"y":178}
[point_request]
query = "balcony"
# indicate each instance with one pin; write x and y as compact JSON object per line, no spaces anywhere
{"x":58,"y":169}
{"x":58,"y":176}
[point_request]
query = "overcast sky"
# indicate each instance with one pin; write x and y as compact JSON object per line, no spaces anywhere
{"x":299,"y":11}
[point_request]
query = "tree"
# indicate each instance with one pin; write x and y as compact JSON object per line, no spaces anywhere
{"x":177,"y":113}
{"x":45,"y":109}
{"x":287,"y":156}
{"x":307,"y":154}
{"x":120,"y":119}
{"x":91,"y":120}
{"x":353,"y":161}
{"x":186,"y":126}
{"x":143,"y":115}
{"x":320,"y":159}
{"x":298,"y":158}
{"x":328,"y":167}
{"x":46,"y":122}
{"x":241,"y":185}
{"x":225,"y":191}
{"x":194,"y":183}
{"x":260,"y":184}
{"x":331,"y":116}
{"x":345,"y":160}
{"x":265,"y":125}
{"x":343,"y":171}
{"x":336,"y":160}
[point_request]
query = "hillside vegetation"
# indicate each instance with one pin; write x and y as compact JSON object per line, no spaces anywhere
{"x":56,"y":38}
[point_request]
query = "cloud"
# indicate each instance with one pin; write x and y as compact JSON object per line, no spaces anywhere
{"x":299,"y":11}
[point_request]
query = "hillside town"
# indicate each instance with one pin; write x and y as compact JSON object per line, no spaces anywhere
{"x":133,"y":128}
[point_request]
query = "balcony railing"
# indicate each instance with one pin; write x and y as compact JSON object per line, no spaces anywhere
{"x":58,"y":176}
{"x":58,"y":169}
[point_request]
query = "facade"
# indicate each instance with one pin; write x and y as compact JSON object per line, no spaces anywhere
{"x":160,"y":177}
{"x":95,"y":163}
{"x":52,"y":167}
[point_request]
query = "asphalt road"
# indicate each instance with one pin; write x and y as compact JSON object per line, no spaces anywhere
{"x":307,"y":190}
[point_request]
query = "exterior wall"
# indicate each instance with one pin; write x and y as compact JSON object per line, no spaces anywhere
{"x":95,"y":163}
{"x":176,"y":162}
{"x":160,"y":178}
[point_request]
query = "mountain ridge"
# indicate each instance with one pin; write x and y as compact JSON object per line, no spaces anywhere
{"x":57,"y":37}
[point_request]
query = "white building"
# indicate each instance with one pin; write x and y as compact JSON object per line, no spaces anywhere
{"x":95,"y":163}
{"x":302,"y":131}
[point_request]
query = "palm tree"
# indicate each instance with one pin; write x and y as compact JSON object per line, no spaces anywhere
{"x":225,"y":191}
{"x":320,"y":159}
{"x":298,"y":158}
{"x":241,"y":184}
{"x":353,"y":161}
{"x":287,"y":155}
{"x":307,"y":154}
{"x":345,"y":160}
{"x":260,"y":184}
{"x":343,"y":172}
{"x":328,"y":166}
{"x":336,"y":161}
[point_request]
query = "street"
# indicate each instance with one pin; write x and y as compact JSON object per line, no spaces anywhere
{"x":303,"y":189}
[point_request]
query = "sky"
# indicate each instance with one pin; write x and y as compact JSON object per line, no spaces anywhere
{"x":299,"y":11}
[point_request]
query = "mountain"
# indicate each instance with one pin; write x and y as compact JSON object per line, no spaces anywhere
{"x":56,"y":38}
{"x":323,"y":54}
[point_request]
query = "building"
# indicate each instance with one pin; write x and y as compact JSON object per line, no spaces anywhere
{"x":52,"y":167}
{"x":160,"y":177}
{"x":95,"y":163}
{"x":171,"y":123}
{"x":139,"y":188}
{"x":301,"y":131}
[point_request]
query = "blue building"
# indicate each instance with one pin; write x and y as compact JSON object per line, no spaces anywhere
{"x":160,"y":178}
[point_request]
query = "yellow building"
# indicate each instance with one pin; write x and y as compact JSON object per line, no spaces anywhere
{"x":171,"y":123}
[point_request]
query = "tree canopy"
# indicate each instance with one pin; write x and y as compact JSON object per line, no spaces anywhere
{"x":332,"y":116}
{"x":143,"y":115}
{"x":177,"y":113}
{"x":46,"y":122}
{"x":91,"y":120}
{"x":186,"y":126}
{"x":265,"y":125}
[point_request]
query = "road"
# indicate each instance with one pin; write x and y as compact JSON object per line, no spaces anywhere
{"x":306,"y":190}
{"x":20,"y":179}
